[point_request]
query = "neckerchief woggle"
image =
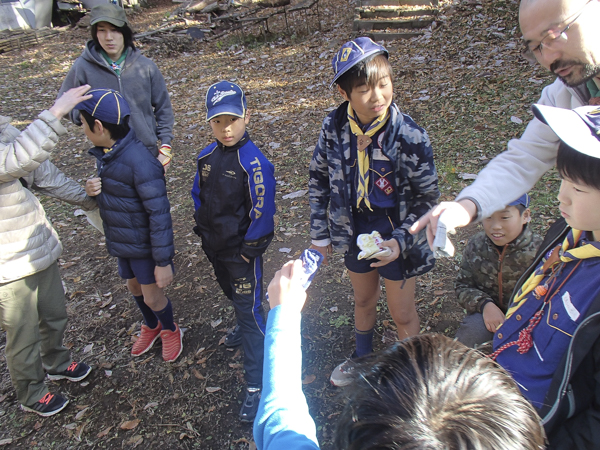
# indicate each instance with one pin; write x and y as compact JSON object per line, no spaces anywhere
{"x":363,"y":140}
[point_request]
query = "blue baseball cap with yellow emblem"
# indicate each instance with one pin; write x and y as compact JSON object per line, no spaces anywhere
{"x":106,"y":105}
{"x":579,"y":128}
{"x":225,"y":97}
{"x":353,"y":52}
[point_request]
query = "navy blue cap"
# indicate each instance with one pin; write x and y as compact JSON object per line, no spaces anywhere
{"x":353,"y":52}
{"x":225,"y":97}
{"x":522,"y":200}
{"x":106,"y":105}
{"x":579,"y":128}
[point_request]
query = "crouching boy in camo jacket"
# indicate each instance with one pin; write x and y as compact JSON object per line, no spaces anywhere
{"x":492,"y":263}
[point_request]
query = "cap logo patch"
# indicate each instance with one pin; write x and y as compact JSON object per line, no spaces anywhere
{"x":345,"y":54}
{"x":220,"y":95}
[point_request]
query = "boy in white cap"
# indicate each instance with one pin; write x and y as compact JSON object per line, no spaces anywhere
{"x":550,"y":340}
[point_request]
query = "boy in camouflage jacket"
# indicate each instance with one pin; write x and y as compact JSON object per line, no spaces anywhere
{"x":492,"y":263}
{"x":372,"y":170}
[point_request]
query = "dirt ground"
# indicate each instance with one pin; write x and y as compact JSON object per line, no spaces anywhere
{"x":463,"y":82}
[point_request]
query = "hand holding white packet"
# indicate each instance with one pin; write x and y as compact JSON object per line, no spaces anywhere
{"x":442,"y":247}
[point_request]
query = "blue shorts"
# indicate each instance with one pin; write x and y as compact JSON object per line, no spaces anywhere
{"x":141,"y":269}
{"x":367,"y":223}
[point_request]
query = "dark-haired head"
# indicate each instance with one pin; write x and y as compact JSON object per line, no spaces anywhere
{"x":430,"y":392}
{"x":116,"y":131}
{"x":124,"y":30}
{"x":578,"y":167}
{"x":367,"y":72}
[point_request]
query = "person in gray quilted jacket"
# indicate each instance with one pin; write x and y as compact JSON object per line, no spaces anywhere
{"x":32,"y":302}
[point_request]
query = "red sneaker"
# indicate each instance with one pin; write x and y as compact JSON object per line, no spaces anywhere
{"x":172,"y":343}
{"x":148,"y":337}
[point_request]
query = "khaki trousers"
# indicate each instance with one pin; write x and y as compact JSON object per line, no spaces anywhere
{"x":34,"y":315}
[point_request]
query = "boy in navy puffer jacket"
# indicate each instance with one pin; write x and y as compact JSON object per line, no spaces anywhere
{"x":132,"y":196}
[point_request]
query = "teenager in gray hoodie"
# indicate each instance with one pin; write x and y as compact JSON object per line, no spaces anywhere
{"x":111,"y":61}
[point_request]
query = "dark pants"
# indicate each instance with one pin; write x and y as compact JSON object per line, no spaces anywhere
{"x":472,"y":331}
{"x":242,"y":284}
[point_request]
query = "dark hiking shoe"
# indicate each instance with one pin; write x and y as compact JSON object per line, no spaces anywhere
{"x":250,"y":406}
{"x":234,"y":338}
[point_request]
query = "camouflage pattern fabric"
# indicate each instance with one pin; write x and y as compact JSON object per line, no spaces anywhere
{"x":483,"y":267}
{"x":407,"y":146}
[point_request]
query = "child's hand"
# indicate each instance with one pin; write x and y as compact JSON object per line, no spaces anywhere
{"x":327,"y":250}
{"x":392,"y":244}
{"x":93,"y":186}
{"x":163,"y":275}
{"x":66,"y":102}
{"x":493,"y":317}
{"x":285,"y":287}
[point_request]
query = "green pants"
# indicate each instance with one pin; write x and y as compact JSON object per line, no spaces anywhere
{"x":34,"y":315}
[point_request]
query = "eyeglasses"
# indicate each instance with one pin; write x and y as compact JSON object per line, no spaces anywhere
{"x":554,"y":39}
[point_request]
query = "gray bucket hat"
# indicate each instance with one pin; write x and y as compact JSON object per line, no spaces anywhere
{"x":110,"y":13}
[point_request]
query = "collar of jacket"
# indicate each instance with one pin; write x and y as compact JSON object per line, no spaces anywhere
{"x":117,"y":148}
{"x":243,"y":141}
{"x":521,"y":241}
{"x":92,"y":55}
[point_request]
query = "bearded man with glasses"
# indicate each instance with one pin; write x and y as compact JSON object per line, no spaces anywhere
{"x":564,"y":37}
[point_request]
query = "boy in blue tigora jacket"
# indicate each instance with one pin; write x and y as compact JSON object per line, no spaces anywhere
{"x":234,"y":198}
{"x":132,"y":197}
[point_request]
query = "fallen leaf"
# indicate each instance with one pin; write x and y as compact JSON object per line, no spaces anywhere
{"x":130,"y":424}
{"x":104,"y":432}
{"x":80,"y":414}
{"x":212,"y":389}
{"x":197,"y":374}
{"x":515,"y":119}
{"x":440,"y":292}
{"x":6,"y":441}
{"x":309,"y":379}
{"x":70,"y":426}
{"x":216,"y":323}
{"x":150,"y":405}
{"x":88,"y":348}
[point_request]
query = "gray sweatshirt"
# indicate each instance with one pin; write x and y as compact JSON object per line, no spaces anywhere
{"x":140,"y":82}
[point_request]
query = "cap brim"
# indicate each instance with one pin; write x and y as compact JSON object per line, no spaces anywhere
{"x":116,"y":22}
{"x":222,"y":110}
{"x":362,"y":58}
{"x":570,"y":128}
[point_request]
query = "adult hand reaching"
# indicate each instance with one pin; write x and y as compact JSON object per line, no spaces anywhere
{"x":71,"y":98}
{"x":456,"y":214}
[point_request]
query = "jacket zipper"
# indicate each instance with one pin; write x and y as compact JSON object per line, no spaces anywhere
{"x":501,"y":263}
{"x":567,"y":371}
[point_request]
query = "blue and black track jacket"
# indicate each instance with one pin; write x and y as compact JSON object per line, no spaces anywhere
{"x":234,"y":198}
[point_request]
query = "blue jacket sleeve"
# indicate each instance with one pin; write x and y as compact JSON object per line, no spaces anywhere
{"x":283,"y":420}
{"x":149,"y":180}
{"x":196,"y":192}
{"x":261,"y":195}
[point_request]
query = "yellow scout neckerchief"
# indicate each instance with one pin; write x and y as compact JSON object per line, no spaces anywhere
{"x":566,"y":252}
{"x":363,"y":141}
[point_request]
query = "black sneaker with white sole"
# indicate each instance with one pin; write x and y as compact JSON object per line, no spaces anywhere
{"x":75,"y":372}
{"x":48,"y":405}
